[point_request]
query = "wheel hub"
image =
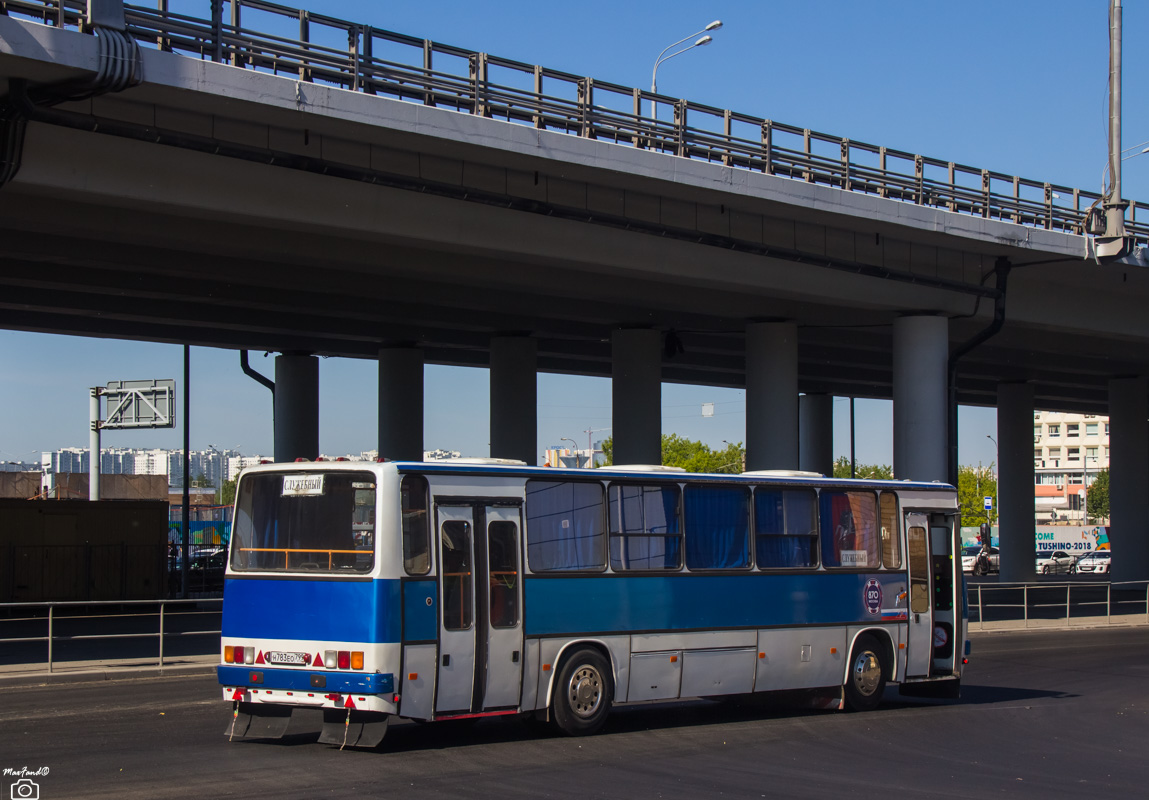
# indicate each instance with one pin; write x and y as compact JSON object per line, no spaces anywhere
{"x":585,"y":691}
{"x":867,"y":673}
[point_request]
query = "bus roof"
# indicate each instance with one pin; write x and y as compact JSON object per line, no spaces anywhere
{"x":493,"y":467}
{"x":647,"y":472}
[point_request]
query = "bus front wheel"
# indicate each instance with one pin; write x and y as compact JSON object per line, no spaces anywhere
{"x":867,"y":678}
{"x":583,"y":693}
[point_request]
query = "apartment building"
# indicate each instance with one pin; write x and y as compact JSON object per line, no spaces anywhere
{"x":1068,"y":452}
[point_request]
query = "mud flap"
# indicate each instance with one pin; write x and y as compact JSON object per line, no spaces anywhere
{"x":259,"y":721}
{"x":943,"y":690}
{"x":361,"y":729}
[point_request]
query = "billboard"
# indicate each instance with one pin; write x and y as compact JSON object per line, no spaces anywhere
{"x":1047,"y":538}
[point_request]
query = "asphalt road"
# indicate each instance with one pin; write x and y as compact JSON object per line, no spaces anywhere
{"x":1043,"y":715}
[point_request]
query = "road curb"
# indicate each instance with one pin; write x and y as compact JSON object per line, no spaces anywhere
{"x":109,"y":673}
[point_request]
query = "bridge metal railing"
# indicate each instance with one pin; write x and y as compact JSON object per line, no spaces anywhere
{"x":1062,"y":604}
{"x":310,"y":47}
{"x":99,"y":624}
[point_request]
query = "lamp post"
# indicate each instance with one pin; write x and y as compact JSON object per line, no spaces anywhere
{"x":702,"y":42}
{"x":996,"y":471}
{"x":574,"y":447}
{"x":1084,"y":478}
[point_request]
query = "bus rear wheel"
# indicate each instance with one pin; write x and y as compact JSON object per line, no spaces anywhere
{"x":867,"y":678}
{"x":583,"y":693}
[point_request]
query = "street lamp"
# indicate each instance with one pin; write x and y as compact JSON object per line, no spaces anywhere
{"x":1084,"y":496}
{"x":996,"y":473}
{"x":574,"y":447}
{"x":702,"y":42}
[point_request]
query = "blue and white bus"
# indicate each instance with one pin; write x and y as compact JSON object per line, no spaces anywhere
{"x":444,"y":590}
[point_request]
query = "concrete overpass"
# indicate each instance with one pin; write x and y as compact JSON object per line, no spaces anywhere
{"x":196,"y":181}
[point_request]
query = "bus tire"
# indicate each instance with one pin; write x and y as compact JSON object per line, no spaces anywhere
{"x":867,"y":676}
{"x":583,"y":693}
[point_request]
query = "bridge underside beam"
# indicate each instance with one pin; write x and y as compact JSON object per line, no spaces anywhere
{"x":127,"y":236}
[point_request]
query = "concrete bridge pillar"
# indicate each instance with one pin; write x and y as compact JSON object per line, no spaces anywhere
{"x":401,"y":403}
{"x":771,"y":395}
{"x":816,"y":433}
{"x":1015,"y":481}
{"x":636,"y":389}
{"x":921,"y":355}
{"x":296,"y":406}
{"x":514,"y":399}
{"x":1129,"y":478}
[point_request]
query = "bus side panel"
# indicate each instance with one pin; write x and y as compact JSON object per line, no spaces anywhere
{"x":652,"y":603}
{"x":420,"y":619}
{"x":801,"y":658}
{"x":530,"y":675}
{"x":417,"y":698}
{"x":550,"y":657}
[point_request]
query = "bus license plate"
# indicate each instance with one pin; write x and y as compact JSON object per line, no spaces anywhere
{"x":288,"y":658}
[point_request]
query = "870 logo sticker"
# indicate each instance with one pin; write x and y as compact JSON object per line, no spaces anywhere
{"x":873,"y":597}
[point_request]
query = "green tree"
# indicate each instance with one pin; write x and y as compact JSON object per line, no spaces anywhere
{"x":201,"y":482}
{"x":880,"y":472}
{"x":691,"y":455}
{"x":227,"y":493}
{"x":974,"y":485}
{"x":1097,"y":499}
{"x":607,"y":452}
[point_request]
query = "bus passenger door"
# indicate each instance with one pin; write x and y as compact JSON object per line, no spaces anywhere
{"x":455,"y":686}
{"x":919,"y":647}
{"x":504,"y":629}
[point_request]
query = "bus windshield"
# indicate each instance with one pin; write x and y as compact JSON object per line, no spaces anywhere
{"x":305,"y":522}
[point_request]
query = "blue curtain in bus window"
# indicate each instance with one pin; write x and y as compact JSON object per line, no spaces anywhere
{"x":717,"y":527}
{"x":564,"y":526}
{"x":644,"y":532}
{"x":850,"y":530}
{"x":645,"y":552}
{"x":784,"y":528}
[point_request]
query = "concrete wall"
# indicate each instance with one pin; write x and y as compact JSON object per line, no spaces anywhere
{"x":80,"y":550}
{"x":74,"y":486}
{"x":19,"y":485}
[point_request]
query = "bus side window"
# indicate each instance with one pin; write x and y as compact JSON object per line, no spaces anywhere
{"x":717,"y":527}
{"x":644,"y":529}
{"x":849,"y":529}
{"x":416,"y":525}
{"x":565,"y":526}
{"x":785,"y":527}
{"x":919,"y":570}
{"x":891,"y":541}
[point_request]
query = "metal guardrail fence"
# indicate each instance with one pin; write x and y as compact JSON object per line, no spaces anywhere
{"x":263,"y":36}
{"x":138,"y":625}
{"x":1032,"y":603}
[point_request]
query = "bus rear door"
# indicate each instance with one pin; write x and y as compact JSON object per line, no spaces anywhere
{"x":480,"y":598}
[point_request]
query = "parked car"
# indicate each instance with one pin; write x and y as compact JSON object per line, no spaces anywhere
{"x":970,"y":563}
{"x":1095,"y":563}
{"x":1055,"y":562}
{"x":205,"y":572}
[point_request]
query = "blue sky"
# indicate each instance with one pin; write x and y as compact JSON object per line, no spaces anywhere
{"x":1018,"y":87}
